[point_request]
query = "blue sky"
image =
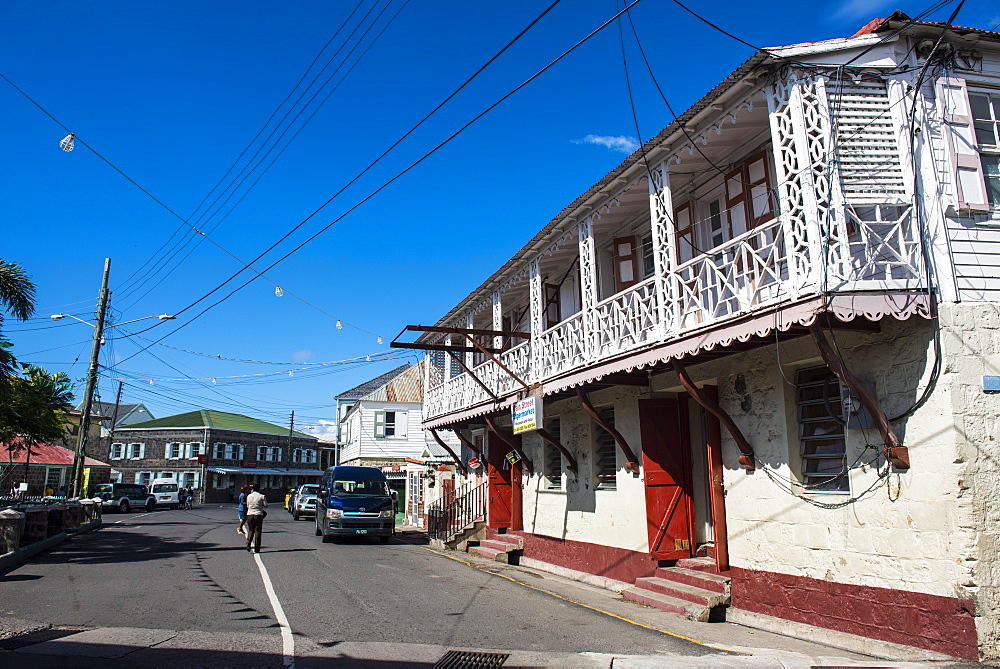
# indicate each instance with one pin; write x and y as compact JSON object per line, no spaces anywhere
{"x":171,"y":93}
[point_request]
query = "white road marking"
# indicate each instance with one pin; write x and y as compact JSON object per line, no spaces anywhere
{"x":130,"y":518}
{"x":287,"y":640}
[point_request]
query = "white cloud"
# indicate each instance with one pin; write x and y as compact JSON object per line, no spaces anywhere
{"x":302,"y":356}
{"x":320,"y":427}
{"x":858,"y":10}
{"x":621,"y":143}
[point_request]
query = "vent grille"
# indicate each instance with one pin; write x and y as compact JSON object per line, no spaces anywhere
{"x":866,"y":140}
{"x":460,"y":659}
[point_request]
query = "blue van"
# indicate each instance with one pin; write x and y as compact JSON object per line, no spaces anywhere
{"x":355,"y":501}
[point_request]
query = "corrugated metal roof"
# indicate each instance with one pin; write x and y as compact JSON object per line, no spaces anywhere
{"x":407,"y":386}
{"x":358,"y":392}
{"x":214,"y":419}
{"x":44,"y":454}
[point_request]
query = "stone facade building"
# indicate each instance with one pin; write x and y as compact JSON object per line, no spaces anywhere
{"x":765,"y":348}
{"x":214,"y":451}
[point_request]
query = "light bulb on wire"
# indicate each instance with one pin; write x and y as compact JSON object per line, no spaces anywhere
{"x":68,"y":142}
{"x":340,"y":326}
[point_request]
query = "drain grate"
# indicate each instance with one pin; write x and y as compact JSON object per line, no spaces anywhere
{"x":463,"y":659}
{"x":31,"y":638}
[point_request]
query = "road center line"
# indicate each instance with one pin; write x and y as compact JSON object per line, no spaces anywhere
{"x":287,"y":640}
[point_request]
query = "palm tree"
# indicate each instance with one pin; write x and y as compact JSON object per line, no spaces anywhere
{"x":17,"y":296}
{"x":34,"y":411}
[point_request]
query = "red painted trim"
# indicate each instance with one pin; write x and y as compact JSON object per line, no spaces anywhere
{"x":942,"y":624}
{"x":609,"y":562}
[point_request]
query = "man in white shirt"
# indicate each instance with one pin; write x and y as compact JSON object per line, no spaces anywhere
{"x":256,"y":503}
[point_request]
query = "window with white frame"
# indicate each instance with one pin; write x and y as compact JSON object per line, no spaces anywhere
{"x":143,"y":478}
{"x":116,"y":476}
{"x":605,"y":452}
{"x":821,"y":431}
{"x":390,"y":424}
{"x":194,"y":449}
{"x":187,"y":479}
{"x":985,"y":108}
{"x":174,"y":450}
{"x":165,"y":475}
{"x":117,"y":451}
{"x":304,"y":455}
{"x":553,"y":458}
{"x":234,"y":451}
{"x":136,"y":451}
{"x":55,"y":477}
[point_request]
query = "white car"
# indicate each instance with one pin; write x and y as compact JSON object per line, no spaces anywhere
{"x":304,"y":502}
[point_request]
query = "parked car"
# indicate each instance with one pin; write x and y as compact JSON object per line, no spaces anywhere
{"x":165,"y":493}
{"x":123,"y":497}
{"x":304,"y":501}
{"x":354,"y":501}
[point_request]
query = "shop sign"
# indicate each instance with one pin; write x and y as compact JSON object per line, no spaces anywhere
{"x":526,"y":415}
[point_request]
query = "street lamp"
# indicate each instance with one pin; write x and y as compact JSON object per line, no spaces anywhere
{"x":88,"y":393}
{"x":162,"y":317}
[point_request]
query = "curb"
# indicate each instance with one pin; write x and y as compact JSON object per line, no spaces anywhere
{"x":18,"y":557}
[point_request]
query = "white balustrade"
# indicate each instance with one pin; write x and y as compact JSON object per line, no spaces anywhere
{"x":879,"y":249}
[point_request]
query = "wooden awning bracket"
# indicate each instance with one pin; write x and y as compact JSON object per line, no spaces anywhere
{"x":475,"y":378}
{"x":525,"y":460}
{"x":570,"y":460}
{"x":747,"y":459}
{"x":633,"y":462}
{"x":894,"y":451}
{"x":458,"y":460}
{"x":465,"y":332}
{"x":497,"y":361}
{"x":468,"y":442}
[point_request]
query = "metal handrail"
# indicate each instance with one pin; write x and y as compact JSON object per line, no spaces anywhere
{"x":448,"y":516}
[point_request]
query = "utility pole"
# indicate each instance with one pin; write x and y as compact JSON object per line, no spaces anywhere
{"x":75,"y":489}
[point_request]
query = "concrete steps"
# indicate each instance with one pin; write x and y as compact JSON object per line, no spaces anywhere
{"x":691,"y":588}
{"x":504,"y":548}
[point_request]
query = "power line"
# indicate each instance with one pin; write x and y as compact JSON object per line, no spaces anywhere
{"x":387,"y":183}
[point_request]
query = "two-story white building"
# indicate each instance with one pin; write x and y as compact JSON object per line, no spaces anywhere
{"x":766,"y":348}
{"x":380,"y":426}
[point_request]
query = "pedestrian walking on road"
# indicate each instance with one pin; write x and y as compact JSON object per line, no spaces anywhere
{"x":232,"y":493}
{"x":256,"y":510}
{"x":241,"y":509}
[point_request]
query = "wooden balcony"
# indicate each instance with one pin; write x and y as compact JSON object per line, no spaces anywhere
{"x":754,"y":273}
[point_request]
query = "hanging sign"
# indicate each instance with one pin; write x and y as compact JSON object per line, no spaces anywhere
{"x":513,"y":457}
{"x":526,"y":415}
{"x":474,"y":463}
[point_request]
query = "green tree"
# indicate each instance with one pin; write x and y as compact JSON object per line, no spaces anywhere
{"x":17,"y":296}
{"x":34,"y":412}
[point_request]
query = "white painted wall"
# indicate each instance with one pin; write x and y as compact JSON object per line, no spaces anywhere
{"x":579,"y":512}
{"x":408,"y":443}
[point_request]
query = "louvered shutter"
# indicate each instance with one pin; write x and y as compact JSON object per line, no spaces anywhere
{"x":758,"y":188}
{"x":953,"y":105}
{"x":401,"y":424}
{"x":626,"y":272}
{"x":379,"y":431}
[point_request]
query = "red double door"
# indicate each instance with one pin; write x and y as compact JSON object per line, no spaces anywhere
{"x":666,"y":459}
{"x":504,"y":488}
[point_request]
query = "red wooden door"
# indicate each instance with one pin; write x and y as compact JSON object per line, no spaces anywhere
{"x":666,"y":460}
{"x":500,"y":488}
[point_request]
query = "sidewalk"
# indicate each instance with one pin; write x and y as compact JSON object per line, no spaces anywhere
{"x":757,"y":644}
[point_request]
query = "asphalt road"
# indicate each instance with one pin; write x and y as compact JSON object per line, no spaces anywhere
{"x":188,"y":571}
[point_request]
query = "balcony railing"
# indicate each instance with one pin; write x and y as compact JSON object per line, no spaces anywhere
{"x":876,"y":249}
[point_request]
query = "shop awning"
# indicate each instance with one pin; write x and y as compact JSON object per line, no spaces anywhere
{"x":260,"y":471}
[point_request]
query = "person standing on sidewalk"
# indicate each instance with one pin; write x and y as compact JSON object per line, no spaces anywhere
{"x":256,"y":510}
